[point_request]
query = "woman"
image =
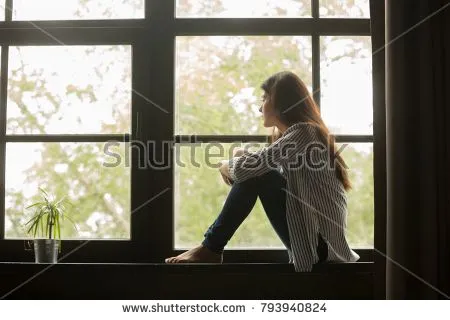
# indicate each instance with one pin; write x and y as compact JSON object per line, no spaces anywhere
{"x":299,"y":179}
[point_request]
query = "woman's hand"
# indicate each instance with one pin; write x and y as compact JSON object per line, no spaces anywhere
{"x":237,"y":152}
{"x":224,"y":170}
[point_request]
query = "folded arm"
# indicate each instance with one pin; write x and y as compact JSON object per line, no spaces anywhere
{"x":287,"y":149}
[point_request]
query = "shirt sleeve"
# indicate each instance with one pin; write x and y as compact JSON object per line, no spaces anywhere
{"x":286,"y":150}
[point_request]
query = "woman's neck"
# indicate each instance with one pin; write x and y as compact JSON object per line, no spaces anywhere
{"x":282,"y":127}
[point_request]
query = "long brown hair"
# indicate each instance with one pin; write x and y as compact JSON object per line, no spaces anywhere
{"x":293,"y":103}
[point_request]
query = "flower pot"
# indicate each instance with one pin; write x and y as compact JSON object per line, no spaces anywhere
{"x":46,"y":250}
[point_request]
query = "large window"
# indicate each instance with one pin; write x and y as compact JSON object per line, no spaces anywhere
{"x":68,"y":90}
{"x":217,"y":93}
{"x":126,"y":107}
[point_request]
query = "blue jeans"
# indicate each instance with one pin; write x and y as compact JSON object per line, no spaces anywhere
{"x":240,"y":202}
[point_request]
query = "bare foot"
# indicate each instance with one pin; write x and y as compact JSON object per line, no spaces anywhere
{"x":198,"y":254}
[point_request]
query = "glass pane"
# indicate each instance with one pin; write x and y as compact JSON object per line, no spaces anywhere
{"x":218,"y":80}
{"x":236,"y":8}
{"x":360,"y":221}
{"x":344,"y":8}
{"x":88,"y":174}
{"x":199,"y":196}
{"x":69,"y":90}
{"x":346,"y":84}
{"x":78,"y":9}
{"x":2,"y":10}
{"x":197,"y":177}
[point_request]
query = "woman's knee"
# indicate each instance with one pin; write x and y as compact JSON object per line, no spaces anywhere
{"x":268,"y":180}
{"x":272,"y":179}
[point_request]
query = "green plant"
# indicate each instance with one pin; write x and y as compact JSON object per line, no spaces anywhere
{"x":49,"y":215}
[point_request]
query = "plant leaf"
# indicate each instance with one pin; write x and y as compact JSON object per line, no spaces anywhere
{"x":39,"y":221}
{"x":73,"y":223}
{"x":32,"y":219}
{"x":60,"y":201}
{"x":43,"y":191}
{"x":34,"y":204}
{"x":49,"y":215}
{"x":58,"y":227}
{"x":32,"y":226}
{"x":47,"y":227}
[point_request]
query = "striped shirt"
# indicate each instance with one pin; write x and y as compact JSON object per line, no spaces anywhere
{"x":316,"y":200}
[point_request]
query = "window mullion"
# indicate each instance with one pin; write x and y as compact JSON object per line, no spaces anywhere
{"x":315,"y":8}
{"x":3,"y":100}
{"x":153,"y":91}
{"x":316,"y":68}
{"x":8,"y":10}
{"x":76,"y":138}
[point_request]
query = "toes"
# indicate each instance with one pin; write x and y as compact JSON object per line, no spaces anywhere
{"x":170,"y":260}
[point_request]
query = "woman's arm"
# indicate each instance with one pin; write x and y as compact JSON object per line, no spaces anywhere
{"x":224,"y":168}
{"x":288,"y":149}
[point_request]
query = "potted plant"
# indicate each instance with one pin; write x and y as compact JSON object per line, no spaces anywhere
{"x":45,"y":227}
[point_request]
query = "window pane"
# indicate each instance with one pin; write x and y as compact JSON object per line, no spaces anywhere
{"x":344,"y":8}
{"x":2,"y":10}
{"x":69,"y":90}
{"x":238,"y":9}
{"x":92,"y":179}
{"x":218,"y":79}
{"x":78,"y":9}
{"x":360,"y":221}
{"x":199,"y":196}
{"x":346,"y":84}
{"x":199,"y":179}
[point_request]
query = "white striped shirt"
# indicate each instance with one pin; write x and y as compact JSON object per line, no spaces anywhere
{"x":316,"y":201}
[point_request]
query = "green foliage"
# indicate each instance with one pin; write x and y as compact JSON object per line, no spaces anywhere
{"x":49,"y":215}
{"x":359,"y":160}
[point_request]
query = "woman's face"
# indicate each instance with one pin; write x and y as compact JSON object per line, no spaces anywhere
{"x":268,"y":111}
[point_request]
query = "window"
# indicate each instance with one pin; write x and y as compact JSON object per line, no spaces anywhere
{"x":127,"y":106}
{"x":100,"y":194}
{"x":217,"y":80}
{"x":346,"y":84}
{"x":195,"y":173}
{"x":2,"y":10}
{"x":69,"y":90}
{"x":217,"y":94}
{"x":359,"y":160}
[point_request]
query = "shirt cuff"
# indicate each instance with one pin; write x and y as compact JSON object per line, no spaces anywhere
{"x":231,"y":168}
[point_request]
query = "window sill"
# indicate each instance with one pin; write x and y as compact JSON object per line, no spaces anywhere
{"x":348,"y":267}
{"x":185,"y":281}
